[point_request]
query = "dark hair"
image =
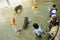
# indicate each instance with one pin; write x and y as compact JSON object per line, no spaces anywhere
{"x":54,"y":18}
{"x":35,"y":25}
{"x":54,"y":5}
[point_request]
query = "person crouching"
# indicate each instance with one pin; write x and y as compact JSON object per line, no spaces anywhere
{"x":38,"y":31}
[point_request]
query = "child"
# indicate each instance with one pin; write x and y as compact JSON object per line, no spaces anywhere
{"x":34,"y":2}
{"x":34,"y":7}
{"x":26,"y":22}
{"x":53,"y":32}
{"x":53,"y":10}
{"x":38,"y":30}
{"x":13,"y":24}
{"x":53,"y":21}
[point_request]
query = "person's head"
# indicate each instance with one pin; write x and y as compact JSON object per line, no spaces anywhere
{"x":54,"y":5}
{"x":14,"y":18}
{"x":54,"y":18}
{"x":35,"y":25}
{"x":26,"y":18}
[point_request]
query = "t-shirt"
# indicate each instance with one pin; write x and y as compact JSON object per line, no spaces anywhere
{"x":53,"y":11}
{"x":54,"y":30}
{"x":38,"y":31}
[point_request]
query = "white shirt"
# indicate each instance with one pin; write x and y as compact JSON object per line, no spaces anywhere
{"x":53,"y":11}
{"x":38,"y":31}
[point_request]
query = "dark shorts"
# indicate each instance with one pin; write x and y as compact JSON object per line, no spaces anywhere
{"x":38,"y":35}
